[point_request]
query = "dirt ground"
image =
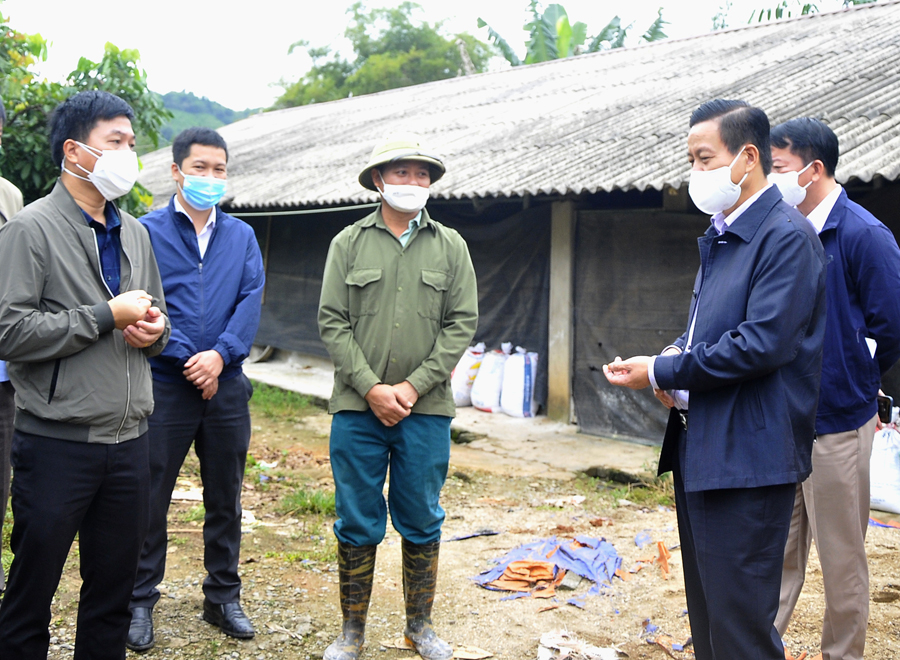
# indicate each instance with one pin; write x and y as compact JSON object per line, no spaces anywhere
{"x":290,"y":576}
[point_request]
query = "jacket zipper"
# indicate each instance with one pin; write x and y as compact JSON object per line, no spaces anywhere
{"x":202,"y":306}
{"x":127,"y":364}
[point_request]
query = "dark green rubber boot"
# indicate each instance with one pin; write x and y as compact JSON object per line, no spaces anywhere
{"x":356,"y":568}
{"x":420,"y":564}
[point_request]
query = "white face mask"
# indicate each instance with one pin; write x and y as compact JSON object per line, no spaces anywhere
{"x":114,"y":172}
{"x":789,"y":185}
{"x":406,"y":199}
{"x":713,"y":191}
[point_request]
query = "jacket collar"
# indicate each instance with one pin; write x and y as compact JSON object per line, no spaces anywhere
{"x":746,"y":226}
{"x":375,"y":219}
{"x":73,"y":214}
{"x":836,"y":211}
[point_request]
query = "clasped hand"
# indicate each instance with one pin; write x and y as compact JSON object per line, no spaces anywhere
{"x":392,"y":403}
{"x":140,"y":322}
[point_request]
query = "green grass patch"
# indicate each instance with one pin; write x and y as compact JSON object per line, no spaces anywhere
{"x":303,"y":501}
{"x":276,"y":403}
{"x":7,"y":531}
{"x":325,"y":553}
{"x":194,"y":514}
{"x":659,"y":492}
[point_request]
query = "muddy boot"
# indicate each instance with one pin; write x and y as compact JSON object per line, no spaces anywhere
{"x":356,"y":567}
{"x":420,"y":563}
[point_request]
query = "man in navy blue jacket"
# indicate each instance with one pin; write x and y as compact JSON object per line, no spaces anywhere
{"x":862,"y":341}
{"x":212,"y":269}
{"x":742,"y":384}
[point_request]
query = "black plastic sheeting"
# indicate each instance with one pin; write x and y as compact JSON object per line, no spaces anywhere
{"x":634,"y":273}
{"x":510,"y":250}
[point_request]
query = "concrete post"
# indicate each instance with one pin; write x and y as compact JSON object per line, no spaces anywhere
{"x":561,"y":322}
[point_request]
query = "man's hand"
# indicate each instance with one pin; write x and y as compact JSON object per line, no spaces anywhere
{"x":209,"y":390}
{"x":204,"y":367}
{"x":664,"y":398}
{"x":628,"y":373}
{"x":146,"y":331}
{"x":406,"y":394}
{"x":386,"y":403}
{"x":130,"y":307}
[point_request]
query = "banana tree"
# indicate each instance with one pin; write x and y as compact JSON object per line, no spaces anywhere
{"x":552,"y":36}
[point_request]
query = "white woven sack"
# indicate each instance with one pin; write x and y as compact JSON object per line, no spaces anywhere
{"x":517,"y":394}
{"x":489,"y":381}
{"x":463,"y":376}
{"x":884,"y":471}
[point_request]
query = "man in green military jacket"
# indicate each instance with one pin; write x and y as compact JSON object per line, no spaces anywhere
{"x":399,"y":307}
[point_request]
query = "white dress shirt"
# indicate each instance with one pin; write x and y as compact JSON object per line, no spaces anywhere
{"x":206,"y":233}
{"x":819,"y":215}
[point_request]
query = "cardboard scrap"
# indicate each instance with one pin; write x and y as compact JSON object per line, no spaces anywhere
{"x":538,"y":577}
{"x":471,"y":653}
{"x":663,"y":559}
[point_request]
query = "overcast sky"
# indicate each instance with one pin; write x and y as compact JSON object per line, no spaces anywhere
{"x":234,"y":51}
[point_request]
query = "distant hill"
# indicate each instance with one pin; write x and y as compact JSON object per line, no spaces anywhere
{"x":191,"y":110}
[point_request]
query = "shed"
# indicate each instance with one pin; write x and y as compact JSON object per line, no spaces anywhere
{"x":568,"y":181}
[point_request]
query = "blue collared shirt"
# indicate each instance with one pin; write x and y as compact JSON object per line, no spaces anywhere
{"x":415,"y":222}
{"x":109,"y":246}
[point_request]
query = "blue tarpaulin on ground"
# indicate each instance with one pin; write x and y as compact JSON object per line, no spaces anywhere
{"x":593,"y":559}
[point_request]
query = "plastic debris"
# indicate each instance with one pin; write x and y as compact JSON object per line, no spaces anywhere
{"x":536,"y":568}
{"x":643,"y":539}
{"x":874,"y":522}
{"x":266,"y":465}
{"x":561,"y":644}
{"x":475,"y":534}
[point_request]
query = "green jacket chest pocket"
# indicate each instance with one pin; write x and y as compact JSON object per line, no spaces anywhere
{"x":365,"y":287}
{"x":434,"y":286}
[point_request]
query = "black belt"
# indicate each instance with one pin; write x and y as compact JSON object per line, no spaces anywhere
{"x":683,"y":414}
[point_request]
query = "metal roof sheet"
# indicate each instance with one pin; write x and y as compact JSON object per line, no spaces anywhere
{"x":615,"y":120}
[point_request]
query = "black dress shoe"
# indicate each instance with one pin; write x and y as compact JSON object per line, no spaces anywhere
{"x":230,"y":618}
{"x":140,"y":632}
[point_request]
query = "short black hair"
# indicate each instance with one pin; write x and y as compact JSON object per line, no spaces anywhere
{"x":181,"y":147}
{"x":810,"y":139}
{"x":739,"y":124}
{"x":76,"y":117}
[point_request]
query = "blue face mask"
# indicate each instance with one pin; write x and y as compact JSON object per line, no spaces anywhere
{"x":202,"y":192}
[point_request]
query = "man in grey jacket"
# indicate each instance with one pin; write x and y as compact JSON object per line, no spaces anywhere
{"x":81,"y":310}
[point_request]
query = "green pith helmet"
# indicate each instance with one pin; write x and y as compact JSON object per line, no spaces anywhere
{"x":400,"y":147}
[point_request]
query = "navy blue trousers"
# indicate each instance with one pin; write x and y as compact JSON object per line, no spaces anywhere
{"x":220,"y":432}
{"x":59,"y":488}
{"x":732,"y":548}
{"x":417,"y":450}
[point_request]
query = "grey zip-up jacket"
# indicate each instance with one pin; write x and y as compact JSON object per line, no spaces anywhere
{"x":75,"y":377}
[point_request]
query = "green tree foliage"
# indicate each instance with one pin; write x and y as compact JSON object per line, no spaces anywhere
{"x":552,"y":36}
{"x":794,"y":8}
{"x":392,"y":49}
{"x":25,"y":159}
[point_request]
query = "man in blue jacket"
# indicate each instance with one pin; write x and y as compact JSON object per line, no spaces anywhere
{"x":862,"y":341}
{"x":742,"y":384}
{"x":212,"y":268}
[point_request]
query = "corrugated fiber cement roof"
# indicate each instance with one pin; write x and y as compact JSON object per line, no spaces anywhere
{"x":615,"y":120}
